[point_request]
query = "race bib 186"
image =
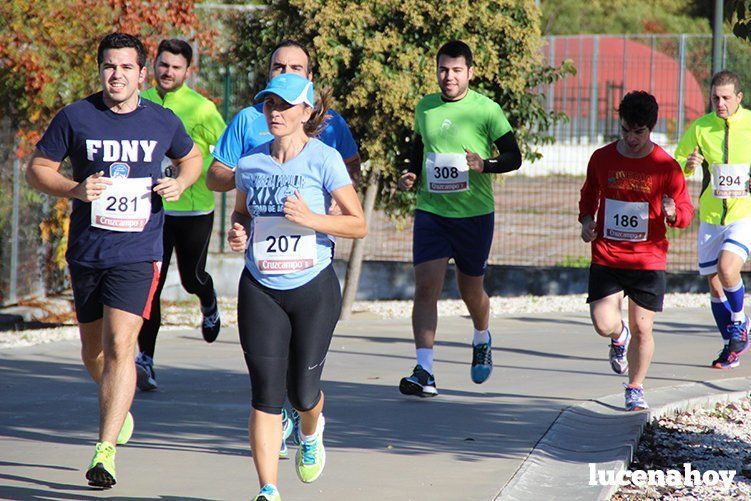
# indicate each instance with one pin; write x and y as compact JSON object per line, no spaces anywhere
{"x":125,"y":205}
{"x":281,"y":246}
{"x":626,"y":221}
{"x":730,"y":180}
{"x":447,"y":172}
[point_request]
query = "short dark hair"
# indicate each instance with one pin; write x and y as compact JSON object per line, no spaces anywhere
{"x":292,"y":43}
{"x":726,"y":77}
{"x":639,"y":108}
{"x":455,"y":48}
{"x":121,"y":41}
{"x":177,"y":47}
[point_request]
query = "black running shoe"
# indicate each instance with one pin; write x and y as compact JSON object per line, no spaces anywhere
{"x":420,"y":383}
{"x":211,"y":322}
{"x":145,"y":374}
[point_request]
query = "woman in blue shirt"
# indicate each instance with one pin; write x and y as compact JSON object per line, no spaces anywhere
{"x":289,"y":298}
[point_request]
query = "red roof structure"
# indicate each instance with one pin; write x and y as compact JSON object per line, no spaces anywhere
{"x":623,"y":65}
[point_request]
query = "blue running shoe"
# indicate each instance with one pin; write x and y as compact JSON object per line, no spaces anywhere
{"x":482,"y":361}
{"x":726,"y":359}
{"x":617,"y":356}
{"x":295,"y":427}
{"x":287,"y":427}
{"x":268,"y":493}
{"x":287,"y":424}
{"x":420,"y":383}
{"x":739,"y":341}
{"x":635,"y":399}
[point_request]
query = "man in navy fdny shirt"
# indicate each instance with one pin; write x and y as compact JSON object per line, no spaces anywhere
{"x":115,"y":142}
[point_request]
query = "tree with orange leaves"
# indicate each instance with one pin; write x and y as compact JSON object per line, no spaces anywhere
{"x":48,"y":60}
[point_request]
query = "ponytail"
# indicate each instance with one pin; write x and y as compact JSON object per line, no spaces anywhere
{"x":318,"y":120}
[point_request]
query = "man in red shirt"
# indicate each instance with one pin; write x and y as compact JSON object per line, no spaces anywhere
{"x":633,"y":187}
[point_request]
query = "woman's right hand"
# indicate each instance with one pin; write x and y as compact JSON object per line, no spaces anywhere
{"x":237,"y":237}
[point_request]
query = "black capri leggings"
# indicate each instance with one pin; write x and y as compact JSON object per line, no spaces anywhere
{"x":285,"y":335}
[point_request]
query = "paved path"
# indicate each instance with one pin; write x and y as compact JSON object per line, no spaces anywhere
{"x":191,"y":438}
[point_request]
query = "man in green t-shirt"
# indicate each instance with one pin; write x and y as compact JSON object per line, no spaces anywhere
{"x":188,"y":222}
{"x":455,"y":133}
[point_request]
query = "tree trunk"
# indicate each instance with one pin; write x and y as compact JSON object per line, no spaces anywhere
{"x":354,"y":267}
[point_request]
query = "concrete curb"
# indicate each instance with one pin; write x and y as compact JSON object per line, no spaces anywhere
{"x":558,"y":466}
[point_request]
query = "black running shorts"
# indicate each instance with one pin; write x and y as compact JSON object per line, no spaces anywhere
{"x":127,"y":287}
{"x":466,"y":239}
{"x":644,"y":287}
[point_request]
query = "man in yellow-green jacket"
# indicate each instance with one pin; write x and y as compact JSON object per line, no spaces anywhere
{"x":719,"y":144}
{"x":188,"y":222}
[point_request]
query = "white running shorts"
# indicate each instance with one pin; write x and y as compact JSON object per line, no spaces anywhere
{"x":713,"y":239}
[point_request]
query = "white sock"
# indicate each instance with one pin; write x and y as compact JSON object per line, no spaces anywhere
{"x":425,"y":358}
{"x":319,"y":429}
{"x":481,"y":337}
{"x":624,"y":334}
{"x":738,"y":316}
{"x":308,"y":438}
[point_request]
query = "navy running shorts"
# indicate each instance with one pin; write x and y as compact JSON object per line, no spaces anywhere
{"x":644,"y":287}
{"x":127,"y":287}
{"x":465,"y":239}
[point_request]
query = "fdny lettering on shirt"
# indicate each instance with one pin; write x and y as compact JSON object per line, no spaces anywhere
{"x":123,"y":150}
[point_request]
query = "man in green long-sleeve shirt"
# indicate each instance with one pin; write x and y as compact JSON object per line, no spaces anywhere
{"x":189,"y":221}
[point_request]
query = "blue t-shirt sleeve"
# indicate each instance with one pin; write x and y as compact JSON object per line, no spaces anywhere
{"x":240,"y":181}
{"x":56,"y":141}
{"x":182,"y":143}
{"x":344,"y":142}
{"x":229,"y":148}
{"x":334,"y":173}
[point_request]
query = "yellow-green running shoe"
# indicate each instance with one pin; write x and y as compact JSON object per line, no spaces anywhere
{"x":311,"y":456}
{"x":101,"y":472}
{"x":126,"y":431}
{"x":268,"y":493}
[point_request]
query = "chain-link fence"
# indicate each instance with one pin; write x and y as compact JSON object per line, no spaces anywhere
{"x":21,"y":249}
{"x":536,"y":208}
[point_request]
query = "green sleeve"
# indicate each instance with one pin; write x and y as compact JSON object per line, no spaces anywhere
{"x":207,"y":132}
{"x":214,"y":124}
{"x":498,"y":124}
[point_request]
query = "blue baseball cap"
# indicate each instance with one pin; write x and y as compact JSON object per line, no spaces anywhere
{"x":293,"y":88}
